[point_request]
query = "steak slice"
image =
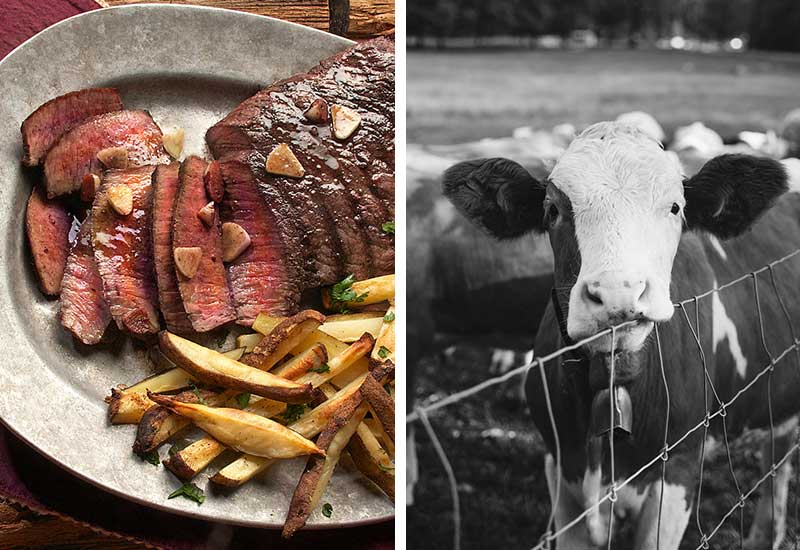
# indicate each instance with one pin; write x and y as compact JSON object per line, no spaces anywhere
{"x":165,"y":190}
{"x":83,"y":309}
{"x":264,"y":277}
{"x":46,"y":124}
{"x":351,"y":178}
{"x":206,"y":296}
{"x":48,"y":223}
{"x":75,"y":154}
{"x":123,"y":251}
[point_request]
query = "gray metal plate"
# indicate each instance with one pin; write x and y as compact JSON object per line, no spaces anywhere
{"x":189,"y":66}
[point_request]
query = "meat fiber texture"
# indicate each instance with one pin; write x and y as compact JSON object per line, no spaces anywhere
{"x":165,"y":191}
{"x":124,"y":253}
{"x":206,"y":296}
{"x":338,"y":208}
{"x":83,"y":309}
{"x":48,"y":224}
{"x":75,"y":154}
{"x":43,"y":128}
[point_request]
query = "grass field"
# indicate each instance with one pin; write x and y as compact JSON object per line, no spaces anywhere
{"x":464,"y":96}
{"x":459,"y":96}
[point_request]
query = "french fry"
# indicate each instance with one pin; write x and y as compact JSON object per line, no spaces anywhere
{"x":126,"y":408}
{"x":283,"y":338}
{"x":159,"y":424}
{"x":317,"y":474}
{"x":169,"y":380}
{"x":350,"y":327}
{"x":248,"y":341}
{"x":376,"y":290}
{"x":381,"y":404}
{"x":191,"y":460}
{"x":234,"y":354}
{"x":380,"y":434}
{"x":243,"y":431}
{"x":264,"y":323}
{"x":310,"y":424}
{"x":371,"y":459}
{"x":384,"y":342}
{"x":217,"y":370}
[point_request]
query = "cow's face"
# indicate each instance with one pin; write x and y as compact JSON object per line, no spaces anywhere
{"x":614,"y":207}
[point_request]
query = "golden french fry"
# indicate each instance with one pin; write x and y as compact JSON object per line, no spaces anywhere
{"x":314,"y":358}
{"x":248,"y":341}
{"x":381,"y":404}
{"x":216,"y":369}
{"x":372,"y":291}
{"x":318,"y":471}
{"x":283,"y":338}
{"x":371,"y":459}
{"x":384,"y":342}
{"x":127,"y":408}
{"x":243,"y":431}
{"x":350,"y":327}
{"x":169,"y":380}
{"x":234,"y":354}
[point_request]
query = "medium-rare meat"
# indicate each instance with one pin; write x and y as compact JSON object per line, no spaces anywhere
{"x":263,"y":278}
{"x":47,"y":123}
{"x":165,"y":190}
{"x":352,"y":178}
{"x":123,"y":251}
{"x":48,"y":223}
{"x":83,"y":310}
{"x":206,"y":296}
{"x":75,"y":154}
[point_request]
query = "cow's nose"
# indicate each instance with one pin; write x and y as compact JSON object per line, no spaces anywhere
{"x":617,"y":298}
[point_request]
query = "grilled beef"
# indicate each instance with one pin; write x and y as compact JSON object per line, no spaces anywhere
{"x":263,"y":277}
{"x":165,"y":190}
{"x":75,"y":154}
{"x":347,"y":192}
{"x":123,"y":251}
{"x":47,"y":123}
{"x":84,"y":311}
{"x":48,"y":223}
{"x":206,"y":296}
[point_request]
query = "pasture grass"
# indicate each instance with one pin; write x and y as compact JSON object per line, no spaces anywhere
{"x":457,"y":96}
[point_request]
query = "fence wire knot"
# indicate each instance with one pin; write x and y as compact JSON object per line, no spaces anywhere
{"x":612,"y":493}
{"x":665,"y":454}
{"x":704,"y":542}
{"x":706,"y":420}
{"x":723,"y":412}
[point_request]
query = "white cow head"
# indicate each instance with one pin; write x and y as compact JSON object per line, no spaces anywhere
{"x":614,"y":207}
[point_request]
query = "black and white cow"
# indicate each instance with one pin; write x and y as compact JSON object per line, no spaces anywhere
{"x":629,"y":235}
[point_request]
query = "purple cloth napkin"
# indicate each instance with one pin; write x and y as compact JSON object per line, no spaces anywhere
{"x":34,"y":481}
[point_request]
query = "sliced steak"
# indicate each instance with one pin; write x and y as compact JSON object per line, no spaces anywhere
{"x":264,"y":277}
{"x":353,"y":178}
{"x":46,"y":124}
{"x":75,"y":154}
{"x":123,"y":251}
{"x":83,"y":309}
{"x":165,"y":190}
{"x":48,"y":223}
{"x":206,"y":296}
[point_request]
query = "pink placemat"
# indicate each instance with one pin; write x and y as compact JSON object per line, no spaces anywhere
{"x":32,"y":480}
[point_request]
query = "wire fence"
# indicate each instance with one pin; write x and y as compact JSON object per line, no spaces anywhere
{"x":720,"y":408}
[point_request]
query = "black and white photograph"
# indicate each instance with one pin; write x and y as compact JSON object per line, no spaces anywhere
{"x":603,"y":263}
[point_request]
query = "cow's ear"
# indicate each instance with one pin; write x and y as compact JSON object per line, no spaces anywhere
{"x":498,"y":195}
{"x":730,"y":192}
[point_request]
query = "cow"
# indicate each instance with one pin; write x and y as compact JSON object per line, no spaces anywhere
{"x":630,"y":234}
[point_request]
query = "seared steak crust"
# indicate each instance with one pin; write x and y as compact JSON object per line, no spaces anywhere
{"x":206,"y":296}
{"x":75,"y":154}
{"x":165,"y":191}
{"x":47,"y":224}
{"x":124,"y":254}
{"x":83,"y":309}
{"x":347,"y":192}
{"x":47,"y":123}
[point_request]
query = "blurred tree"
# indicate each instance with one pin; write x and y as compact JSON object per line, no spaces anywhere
{"x":774,"y":25}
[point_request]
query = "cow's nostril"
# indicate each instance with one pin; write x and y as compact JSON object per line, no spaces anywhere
{"x":593,"y":293}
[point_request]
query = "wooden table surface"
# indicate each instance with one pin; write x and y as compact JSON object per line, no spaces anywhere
{"x":24,"y":529}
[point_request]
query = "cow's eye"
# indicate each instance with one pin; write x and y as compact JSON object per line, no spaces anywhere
{"x":675,"y":209}
{"x":552,"y":212}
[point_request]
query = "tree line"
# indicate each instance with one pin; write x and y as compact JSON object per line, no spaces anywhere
{"x":769,"y":24}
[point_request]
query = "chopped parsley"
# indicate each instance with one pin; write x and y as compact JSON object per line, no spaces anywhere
{"x":197,"y":393}
{"x":243,"y":399}
{"x":389,"y":317}
{"x":151,"y":457}
{"x":324,"y":367}
{"x":387,"y":227}
{"x":190,"y":491}
{"x":293,"y":413}
{"x":383,"y":352}
{"x":327,"y":510}
{"x":343,"y":292}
